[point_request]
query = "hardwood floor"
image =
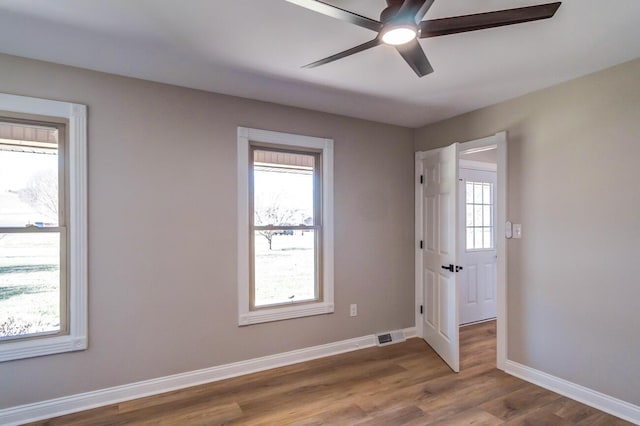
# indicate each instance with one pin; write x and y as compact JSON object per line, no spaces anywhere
{"x":401,"y":384}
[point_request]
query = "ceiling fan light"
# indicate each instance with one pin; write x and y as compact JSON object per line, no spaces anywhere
{"x":398,"y":35}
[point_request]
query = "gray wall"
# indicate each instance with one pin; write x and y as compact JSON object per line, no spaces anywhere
{"x":162,"y":231}
{"x":573,"y":278}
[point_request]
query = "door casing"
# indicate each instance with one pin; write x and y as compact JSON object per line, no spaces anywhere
{"x":499,"y":140}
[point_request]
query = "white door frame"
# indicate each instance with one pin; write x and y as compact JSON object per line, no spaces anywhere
{"x":499,"y":140}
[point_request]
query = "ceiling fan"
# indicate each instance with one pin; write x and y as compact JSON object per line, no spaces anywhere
{"x":401,"y":26}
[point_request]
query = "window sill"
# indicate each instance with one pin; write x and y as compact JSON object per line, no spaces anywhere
{"x":41,"y":346}
{"x":289,"y":312}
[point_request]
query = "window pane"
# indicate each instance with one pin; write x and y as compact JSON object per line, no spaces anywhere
{"x":477,"y":219}
{"x":470,"y":244}
{"x":28,"y":176}
{"x":469,"y":215}
{"x":486,"y":193}
{"x":478,"y":237}
{"x":469,"y":192}
{"x":487,"y":243}
{"x":283,"y":188}
{"x":486,"y":215}
{"x":477,"y":193}
{"x":285,"y":267}
{"x":29,"y":283}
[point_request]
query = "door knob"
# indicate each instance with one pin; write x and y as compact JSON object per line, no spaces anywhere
{"x":450,"y":268}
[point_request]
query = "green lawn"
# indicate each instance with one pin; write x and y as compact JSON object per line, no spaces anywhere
{"x":29,"y":283}
{"x":286,"y":270}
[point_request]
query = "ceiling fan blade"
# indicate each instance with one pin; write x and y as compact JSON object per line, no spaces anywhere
{"x":364,"y":46}
{"x":416,"y":8}
{"x":414,"y":55}
{"x":481,"y":21}
{"x":338,"y":13}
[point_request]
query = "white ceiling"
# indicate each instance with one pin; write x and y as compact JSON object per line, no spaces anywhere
{"x":255,"y":48}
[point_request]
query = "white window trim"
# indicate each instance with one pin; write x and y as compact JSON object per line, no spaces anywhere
{"x":76,"y":115}
{"x":246,"y":316}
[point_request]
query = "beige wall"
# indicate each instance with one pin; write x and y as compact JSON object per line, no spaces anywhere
{"x":162,"y":231}
{"x":573,"y":278}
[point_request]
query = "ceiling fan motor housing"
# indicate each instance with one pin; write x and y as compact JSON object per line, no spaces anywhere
{"x":390,"y":14}
{"x":391,"y":19}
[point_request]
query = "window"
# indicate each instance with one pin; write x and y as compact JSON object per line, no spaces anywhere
{"x":285,"y":266}
{"x":42,"y":227}
{"x":479,"y":224}
{"x":286,"y":231}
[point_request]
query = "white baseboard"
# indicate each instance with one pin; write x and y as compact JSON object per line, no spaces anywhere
{"x":595,"y":399}
{"x":410,"y":332}
{"x":84,"y":401}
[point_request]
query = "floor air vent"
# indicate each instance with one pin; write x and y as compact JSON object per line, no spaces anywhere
{"x":390,"y":337}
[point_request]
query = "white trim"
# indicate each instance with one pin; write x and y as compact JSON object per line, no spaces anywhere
{"x":245,"y":316}
{"x":419,"y":172}
{"x":78,"y":273}
{"x":85,"y":401}
{"x":76,"y":340}
{"x":501,"y":247}
{"x":468,"y":324}
{"x":477,"y":165}
{"x":478,"y":145}
{"x":38,"y":106}
{"x":410,"y":333}
{"x":287,"y":312}
{"x":595,"y":399}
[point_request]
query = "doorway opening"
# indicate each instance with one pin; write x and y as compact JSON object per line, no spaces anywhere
{"x":461,"y":250}
{"x":477,"y":254}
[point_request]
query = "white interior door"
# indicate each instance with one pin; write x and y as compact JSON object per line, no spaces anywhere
{"x":439,"y":201}
{"x":477,"y":245}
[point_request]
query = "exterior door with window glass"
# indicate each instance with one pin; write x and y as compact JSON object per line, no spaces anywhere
{"x":33,"y":233}
{"x":477,"y":245}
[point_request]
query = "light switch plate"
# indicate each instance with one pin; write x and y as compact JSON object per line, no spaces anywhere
{"x":517,"y":230}
{"x":353,"y":310}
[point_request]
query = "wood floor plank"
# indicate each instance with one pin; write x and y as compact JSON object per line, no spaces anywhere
{"x":201,"y":414}
{"x":519,"y":402}
{"x":401,"y":384}
{"x":470,"y":394}
{"x":540,"y":417}
{"x":344,"y":415}
{"x":396,"y":415}
{"x":602,"y":419}
{"x":571,"y":410}
{"x":472,"y":416}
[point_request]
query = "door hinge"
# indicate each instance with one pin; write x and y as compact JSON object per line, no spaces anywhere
{"x":421,"y":178}
{"x":421,"y":244}
{"x":421,"y":309}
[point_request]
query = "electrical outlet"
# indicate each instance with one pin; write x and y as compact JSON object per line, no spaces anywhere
{"x":353,"y":310}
